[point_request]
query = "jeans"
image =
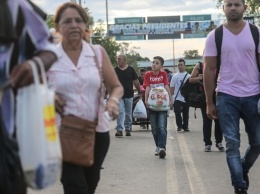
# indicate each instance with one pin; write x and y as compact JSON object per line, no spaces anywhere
{"x":182,"y":121}
{"x":124,"y":119}
{"x":158,"y":121}
{"x":207,"y":123}
{"x":230,"y":109}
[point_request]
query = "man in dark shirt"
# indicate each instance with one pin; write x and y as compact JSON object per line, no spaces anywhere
{"x":127,"y":76}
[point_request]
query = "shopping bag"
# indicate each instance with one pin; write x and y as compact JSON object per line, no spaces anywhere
{"x":158,"y":99}
{"x":140,"y":110}
{"x":37,"y":135}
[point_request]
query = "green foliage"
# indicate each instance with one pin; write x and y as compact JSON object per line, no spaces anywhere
{"x":50,"y":22}
{"x":191,"y":54}
{"x":189,"y":68}
{"x":113,"y":48}
{"x":252,"y":9}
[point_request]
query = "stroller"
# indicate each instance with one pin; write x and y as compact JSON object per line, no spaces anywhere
{"x":144,"y":123}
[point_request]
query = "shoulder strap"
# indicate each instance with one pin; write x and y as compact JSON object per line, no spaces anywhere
{"x":255,"y":34}
{"x":180,"y":86}
{"x":201,"y":69}
{"x":218,"y":41}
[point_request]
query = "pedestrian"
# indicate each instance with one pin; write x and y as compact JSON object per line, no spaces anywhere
{"x":142,"y":72}
{"x":76,"y":81}
{"x":169,"y":75}
{"x":237,"y":91}
{"x":181,"y":108}
{"x":127,"y":77}
{"x":158,"y":119}
{"x":23,"y":38}
{"x":196,"y":76}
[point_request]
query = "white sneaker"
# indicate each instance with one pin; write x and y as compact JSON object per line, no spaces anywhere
{"x":156,"y":153}
{"x":162,"y":153}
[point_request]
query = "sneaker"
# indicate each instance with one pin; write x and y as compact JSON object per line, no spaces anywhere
{"x":207,"y":148}
{"x":119,"y":134}
{"x":240,"y":191}
{"x":220,"y":147}
{"x":245,"y":177}
{"x":186,"y":130}
{"x":179,"y":129}
{"x":162,"y":153}
{"x":127,"y":133}
{"x":156,"y":153}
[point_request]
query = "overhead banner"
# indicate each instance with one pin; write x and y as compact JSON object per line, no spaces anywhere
{"x":200,"y":29}
{"x":161,"y":28}
{"x":163,"y":19}
{"x":130,"y":20}
{"x":186,"y":18}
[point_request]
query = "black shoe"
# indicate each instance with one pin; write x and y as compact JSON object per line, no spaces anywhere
{"x":179,"y":129}
{"x":245,"y":177}
{"x":186,"y":130}
{"x":127,"y":133}
{"x":119,"y":134}
{"x":240,"y":191}
{"x":162,"y":153}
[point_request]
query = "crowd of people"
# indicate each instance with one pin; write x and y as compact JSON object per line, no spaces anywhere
{"x":74,"y":67}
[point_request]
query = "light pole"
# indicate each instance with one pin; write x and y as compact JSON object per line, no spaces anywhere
{"x":80,"y":2}
{"x":107,"y":16}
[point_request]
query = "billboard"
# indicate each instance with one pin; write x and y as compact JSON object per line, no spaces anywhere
{"x":186,"y":18}
{"x":129,"y":20}
{"x":162,"y":29}
{"x":200,"y":29}
{"x":163,"y":19}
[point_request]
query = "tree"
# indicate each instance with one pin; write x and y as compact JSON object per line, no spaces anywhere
{"x":132,"y":55}
{"x":50,"y":22}
{"x":252,"y":9}
{"x":191,"y":54}
{"x":98,"y":37}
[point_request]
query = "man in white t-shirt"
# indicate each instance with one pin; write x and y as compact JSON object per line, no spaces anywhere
{"x":181,"y":108}
{"x":237,"y":92}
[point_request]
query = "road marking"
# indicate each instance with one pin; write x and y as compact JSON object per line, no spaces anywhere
{"x":171,"y":178}
{"x":195,"y":182}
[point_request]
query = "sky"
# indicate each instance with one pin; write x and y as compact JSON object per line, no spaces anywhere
{"x":146,"y":8}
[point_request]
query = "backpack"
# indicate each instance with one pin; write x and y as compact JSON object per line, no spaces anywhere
{"x":218,"y":41}
{"x":194,"y":93}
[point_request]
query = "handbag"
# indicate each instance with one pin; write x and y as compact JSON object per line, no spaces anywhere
{"x":77,"y":136}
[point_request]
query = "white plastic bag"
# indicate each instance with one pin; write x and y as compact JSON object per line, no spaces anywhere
{"x":140,"y":110}
{"x":158,"y":99}
{"x":37,"y":134}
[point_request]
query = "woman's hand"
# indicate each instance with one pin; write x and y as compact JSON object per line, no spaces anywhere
{"x":112,"y":107}
{"x":59,"y":104}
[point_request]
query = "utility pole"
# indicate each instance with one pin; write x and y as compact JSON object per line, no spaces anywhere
{"x":107,"y":16}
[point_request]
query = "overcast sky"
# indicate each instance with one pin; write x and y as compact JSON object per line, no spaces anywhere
{"x":145,"y":8}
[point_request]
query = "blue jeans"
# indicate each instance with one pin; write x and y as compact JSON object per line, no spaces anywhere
{"x":124,"y":119}
{"x":230,"y":109}
{"x":158,"y":120}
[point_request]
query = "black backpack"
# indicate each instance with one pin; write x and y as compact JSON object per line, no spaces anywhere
{"x":194,"y":93}
{"x":218,"y":41}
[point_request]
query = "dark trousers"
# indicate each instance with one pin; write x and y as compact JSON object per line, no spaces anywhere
{"x":181,"y":110}
{"x":83,"y":180}
{"x":207,"y":125}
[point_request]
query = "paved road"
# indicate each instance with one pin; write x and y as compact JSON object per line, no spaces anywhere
{"x":131,"y":167}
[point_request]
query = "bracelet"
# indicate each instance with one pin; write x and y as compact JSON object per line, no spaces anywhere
{"x":115,"y":99}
